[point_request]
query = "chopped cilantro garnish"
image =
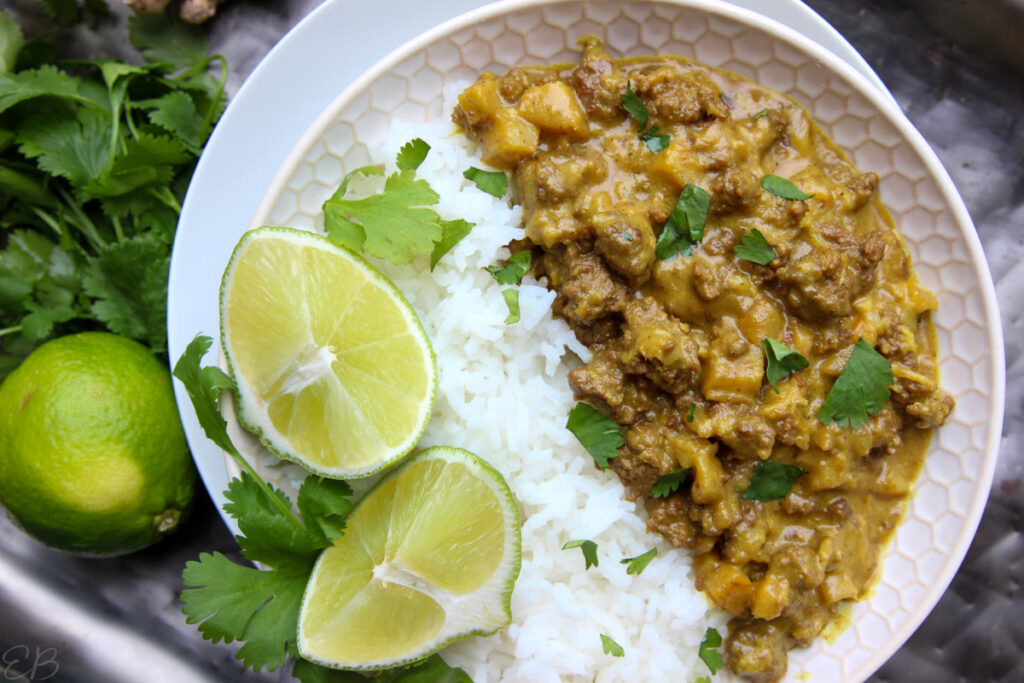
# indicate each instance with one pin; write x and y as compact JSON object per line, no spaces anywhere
{"x":685,"y":226}
{"x":589,"y":549}
{"x":771,"y":481}
{"x":763,"y":112}
{"x":395,"y":223}
{"x":708,"y":651}
{"x":639,"y":563}
{"x":691,"y":413}
{"x":654,"y":142}
{"x":668,"y":483}
{"x":412,"y":154}
{"x":492,"y":182}
{"x":861,"y":389}
{"x":754,"y":247}
{"x":452,"y":233}
{"x":782,"y":361}
{"x":635,"y":107}
{"x":598,"y":434}
{"x":512,"y":301}
{"x":780,"y":187}
{"x":610,"y":647}
{"x":512,"y":273}
{"x":703,"y":679}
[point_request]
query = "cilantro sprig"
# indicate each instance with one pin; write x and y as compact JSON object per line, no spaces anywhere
{"x":861,"y":389}
{"x":95,"y":157}
{"x":588,"y":548}
{"x":598,"y":434}
{"x":685,"y":226}
{"x":636,"y":565}
{"x":708,"y":650}
{"x":772,"y":481}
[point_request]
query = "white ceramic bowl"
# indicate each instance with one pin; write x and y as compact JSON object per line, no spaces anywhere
{"x":941,"y":521}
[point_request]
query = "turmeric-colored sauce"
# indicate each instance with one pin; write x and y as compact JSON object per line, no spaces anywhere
{"x":678,"y":359}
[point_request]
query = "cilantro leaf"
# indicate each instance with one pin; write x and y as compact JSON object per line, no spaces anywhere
{"x":11,"y":40}
{"x":780,"y":187}
{"x":589,"y":549}
{"x":245,"y":604}
{"x":771,"y":481}
{"x":635,"y":107}
{"x":639,"y":563}
{"x":512,"y":273}
{"x":598,"y":434}
{"x":64,"y":12}
{"x":492,"y":182}
{"x":452,"y":233}
{"x":72,"y":145}
{"x":654,"y":142}
{"x":432,"y":670}
{"x":306,"y":671}
{"x":46,"y":81}
{"x":175,"y":112}
{"x":393,"y":224}
{"x":204,"y":386}
{"x":685,"y":226}
{"x":128,"y":281}
{"x":164,"y":38}
{"x":861,"y":389}
{"x":512,"y":301}
{"x":708,"y":651}
{"x":324,"y":505}
{"x":782,"y":361}
{"x":763,"y":112}
{"x":670,"y":482}
{"x":610,"y":647}
{"x":412,"y":154}
{"x":754,"y":247}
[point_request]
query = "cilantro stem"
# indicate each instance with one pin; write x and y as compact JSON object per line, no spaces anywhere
{"x":49,"y":220}
{"x":83,"y":223}
{"x":116,"y":222}
{"x":204,"y":128}
{"x":10,"y":330}
{"x":128,"y":119}
{"x":165,"y":196}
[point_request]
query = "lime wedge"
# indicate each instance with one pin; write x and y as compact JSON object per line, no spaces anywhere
{"x":332,"y":365}
{"x":429,"y":556}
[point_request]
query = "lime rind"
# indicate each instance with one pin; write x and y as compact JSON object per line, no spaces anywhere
{"x":256,"y":420}
{"x":489,"y":607}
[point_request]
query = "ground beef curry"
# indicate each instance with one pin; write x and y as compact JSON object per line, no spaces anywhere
{"x":679,"y":339}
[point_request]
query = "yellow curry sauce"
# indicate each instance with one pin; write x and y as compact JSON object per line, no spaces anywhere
{"x":677,"y":349}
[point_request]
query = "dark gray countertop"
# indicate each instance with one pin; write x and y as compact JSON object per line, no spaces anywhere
{"x":956,"y":68}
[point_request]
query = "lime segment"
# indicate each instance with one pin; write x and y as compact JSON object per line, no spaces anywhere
{"x":333,"y":368}
{"x":429,"y":556}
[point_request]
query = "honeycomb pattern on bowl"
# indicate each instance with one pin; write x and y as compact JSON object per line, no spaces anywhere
{"x":939,"y":524}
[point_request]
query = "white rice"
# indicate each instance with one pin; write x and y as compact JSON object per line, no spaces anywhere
{"x":503,"y":394}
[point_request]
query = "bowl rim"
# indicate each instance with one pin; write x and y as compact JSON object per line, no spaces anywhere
{"x":884,"y":103}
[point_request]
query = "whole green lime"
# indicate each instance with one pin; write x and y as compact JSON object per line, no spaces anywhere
{"x":93,"y":459}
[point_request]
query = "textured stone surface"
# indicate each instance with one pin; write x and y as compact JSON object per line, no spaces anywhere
{"x":966,"y":105}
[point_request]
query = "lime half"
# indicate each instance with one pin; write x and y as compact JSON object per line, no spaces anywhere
{"x":332,"y":365}
{"x":429,"y":556}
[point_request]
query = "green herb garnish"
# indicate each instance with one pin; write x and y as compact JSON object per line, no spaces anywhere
{"x":668,"y":483}
{"x":754,"y":247}
{"x":492,"y":182}
{"x":763,"y":112}
{"x":610,"y":647}
{"x":635,"y":107}
{"x":708,"y":651}
{"x":780,"y":187}
{"x":452,"y":233}
{"x":395,"y":223}
{"x":639,"y":563}
{"x":691,"y":413}
{"x":512,"y":273}
{"x":589,"y":549}
{"x":771,"y":481}
{"x":512,"y":301}
{"x":782,"y":361}
{"x":598,"y":434}
{"x":94,"y":164}
{"x":861,"y":389}
{"x":412,"y":154}
{"x":654,"y":142}
{"x":685,"y":226}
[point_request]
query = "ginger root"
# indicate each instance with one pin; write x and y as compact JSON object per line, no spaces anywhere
{"x":192,"y":11}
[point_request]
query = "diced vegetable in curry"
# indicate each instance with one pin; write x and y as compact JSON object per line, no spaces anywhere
{"x":695,"y":227}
